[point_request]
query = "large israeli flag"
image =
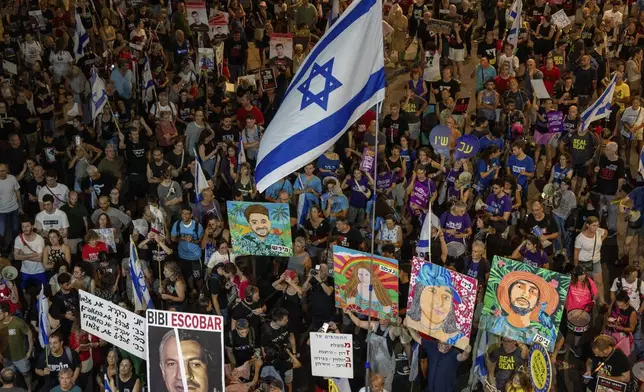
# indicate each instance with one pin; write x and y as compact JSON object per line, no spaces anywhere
{"x":515,"y":15}
{"x":334,"y":14}
{"x":99,"y":96}
{"x":342,"y":77}
{"x":44,"y":326}
{"x":81,"y":38}
{"x":142,"y":299}
{"x":600,"y":108}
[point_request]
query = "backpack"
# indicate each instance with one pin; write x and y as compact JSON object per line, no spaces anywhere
{"x":178,"y":229}
{"x":572,"y":221}
{"x":639,"y":287}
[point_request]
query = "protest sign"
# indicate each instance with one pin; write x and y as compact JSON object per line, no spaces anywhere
{"x":560,"y":19}
{"x":532,"y":319}
{"x":442,"y":305}
{"x":461,"y":105}
{"x":608,"y":385}
{"x":439,"y":139}
{"x":185,"y":339}
{"x":10,"y":67}
{"x":439,"y":26}
{"x":555,"y":121}
{"x":260,"y":229}
{"x":206,"y":58}
{"x":540,"y":368}
{"x":197,"y":15}
{"x":539,"y":89}
{"x":367,"y":160}
{"x":331,"y":355}
{"x":218,"y":25}
{"x":352,"y":276}
{"x":107,"y":236}
{"x":112,"y":323}
{"x":281,"y":50}
{"x":36,"y":19}
{"x":416,"y":263}
{"x":247,"y":81}
{"x":267,"y":79}
{"x":419,"y":195}
{"x":466,"y":147}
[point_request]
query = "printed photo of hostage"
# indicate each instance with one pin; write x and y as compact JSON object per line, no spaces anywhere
{"x":182,"y":359}
{"x":261,"y":229}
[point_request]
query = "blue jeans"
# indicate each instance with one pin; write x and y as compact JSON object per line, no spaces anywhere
{"x":563,"y":241}
{"x":9,"y":226}
{"x":235,"y":72}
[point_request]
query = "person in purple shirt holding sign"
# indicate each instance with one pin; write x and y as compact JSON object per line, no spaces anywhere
{"x":421,"y":189}
{"x":360,"y":194}
{"x":499,"y":204}
{"x":456,"y":224}
{"x":531,"y":253}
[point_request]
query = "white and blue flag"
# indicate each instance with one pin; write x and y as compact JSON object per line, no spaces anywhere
{"x":81,"y":38}
{"x":515,"y":15}
{"x":200,"y":179}
{"x":241,"y":154}
{"x":424,"y":245}
{"x":142,"y":299}
{"x":44,"y":326}
{"x":326,"y":95}
{"x":99,"y":96}
{"x":601,"y":107}
{"x":106,"y":384}
{"x":147,"y":86}
{"x":334,"y":14}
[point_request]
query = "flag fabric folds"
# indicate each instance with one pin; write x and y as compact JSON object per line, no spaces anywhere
{"x":200,"y":179}
{"x":601,"y":107}
{"x":142,"y":299}
{"x":326,"y":94}
{"x":44,"y":327}
{"x":81,"y":38}
{"x":241,"y":154}
{"x":147,"y":85}
{"x":106,"y":384}
{"x":99,"y":95}
{"x":515,"y":15}
{"x":334,"y":15}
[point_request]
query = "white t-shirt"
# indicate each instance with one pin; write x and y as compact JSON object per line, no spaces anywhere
{"x":59,"y":192}
{"x":57,"y":220}
{"x":631,"y":289}
{"x":8,"y":200}
{"x":432,"y":71}
{"x":217,"y":258}
{"x":30,"y":267}
{"x":512,"y":61}
{"x":586,"y":246}
{"x":31,"y":52}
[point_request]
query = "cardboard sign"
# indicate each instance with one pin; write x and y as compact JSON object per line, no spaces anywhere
{"x":461,"y":105}
{"x":439,"y":26}
{"x":112,"y":323}
{"x":560,"y":19}
{"x":260,"y":229}
{"x":205,"y":58}
{"x":367,"y":160}
{"x":185,"y":339}
{"x":10,"y":67}
{"x":466,"y":147}
{"x":331,"y":355}
{"x":218,"y":25}
{"x":247,"y":81}
{"x":539,"y":89}
{"x":267,"y":79}
{"x":107,"y":236}
{"x":608,"y":385}
{"x":197,"y":15}
{"x":540,"y":367}
{"x":555,"y":121}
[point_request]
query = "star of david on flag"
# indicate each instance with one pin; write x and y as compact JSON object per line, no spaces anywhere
{"x":326,"y":95}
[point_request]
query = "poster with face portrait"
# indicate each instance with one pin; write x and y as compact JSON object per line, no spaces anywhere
{"x":206,"y":58}
{"x":218,"y":25}
{"x":260,"y":229}
{"x":352,"y":275}
{"x":107,"y":236}
{"x":441,"y":303}
{"x":524,"y":303}
{"x":281,"y":50}
{"x":197,"y":16}
{"x":185,"y":351}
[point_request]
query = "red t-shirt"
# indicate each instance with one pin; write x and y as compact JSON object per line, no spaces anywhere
{"x":75,"y":340}
{"x":91,"y":252}
{"x":501,"y":85}
{"x":242,"y":113}
{"x":550,"y":78}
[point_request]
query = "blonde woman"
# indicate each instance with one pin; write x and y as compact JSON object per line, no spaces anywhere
{"x":588,"y":245}
{"x":173,"y":287}
{"x":357,"y":290}
{"x":399,"y":22}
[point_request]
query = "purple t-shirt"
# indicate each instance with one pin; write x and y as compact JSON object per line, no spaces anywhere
{"x":384,"y":180}
{"x":357,"y":198}
{"x":458,"y":223}
{"x":535,"y":259}
{"x":498,"y":206}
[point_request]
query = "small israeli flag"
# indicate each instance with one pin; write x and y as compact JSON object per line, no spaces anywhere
{"x":142,"y":299}
{"x":44,"y":327}
{"x":81,"y":38}
{"x":99,"y":95}
{"x":601,"y":107}
{"x":515,"y":15}
{"x":200,"y":179}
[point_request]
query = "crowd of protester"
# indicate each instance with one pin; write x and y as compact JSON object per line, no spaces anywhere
{"x":568,"y":201}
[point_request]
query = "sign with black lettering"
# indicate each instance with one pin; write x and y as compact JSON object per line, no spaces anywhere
{"x":439,"y":26}
{"x":331,"y":355}
{"x":185,"y":350}
{"x":114,"y":324}
{"x":267,"y":78}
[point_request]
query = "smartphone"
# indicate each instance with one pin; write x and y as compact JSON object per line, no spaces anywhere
{"x":587,"y":377}
{"x":325,"y":327}
{"x":77,"y":140}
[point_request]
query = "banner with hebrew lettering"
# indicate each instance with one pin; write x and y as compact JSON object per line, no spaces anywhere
{"x":331,"y":355}
{"x":352,"y":273}
{"x":260,"y":229}
{"x":523,"y":302}
{"x":439,"y":139}
{"x":466,"y":147}
{"x":441,"y":303}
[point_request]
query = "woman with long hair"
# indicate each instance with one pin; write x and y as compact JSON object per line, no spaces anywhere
{"x":56,"y":252}
{"x":390,"y":233}
{"x":357,"y":289}
{"x":582,"y":296}
{"x":317,"y":230}
{"x":103,"y":222}
{"x":244,"y":182}
{"x":519,"y":382}
{"x":587,"y":251}
{"x":173,"y":287}
{"x":110,"y":368}
{"x":562,"y":169}
{"x":208,"y":151}
{"x":531,"y":252}
{"x":487,"y":169}
{"x":300,"y":262}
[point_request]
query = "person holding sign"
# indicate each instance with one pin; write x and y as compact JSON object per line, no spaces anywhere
{"x":606,"y":361}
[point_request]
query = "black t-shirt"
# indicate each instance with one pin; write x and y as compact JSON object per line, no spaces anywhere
{"x":351,"y":239}
{"x":451,"y":85}
{"x":22,"y":113}
{"x":68,"y":359}
{"x":235,"y":51}
{"x":217,"y":286}
{"x":394,"y":129}
{"x":403,"y":293}
{"x":136,"y":158}
{"x":102,"y":186}
{"x":559,"y":93}
{"x":322,"y":305}
{"x":488,"y":50}
{"x":609,"y":174}
{"x":243,"y":347}
{"x":584,"y":80}
{"x":276,"y":339}
{"x":616,"y":365}
{"x":230,"y":135}
{"x":547,"y":225}
{"x":245,"y":311}
{"x":15,"y":158}
{"x":179,"y":52}
{"x":318,"y":233}
{"x":581,"y":147}
{"x":7,"y":127}
{"x":86,"y":63}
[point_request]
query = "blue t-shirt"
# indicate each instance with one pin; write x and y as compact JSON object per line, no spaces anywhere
{"x":637,"y":195}
{"x":275,"y":189}
{"x":516,"y":166}
{"x":483,"y":167}
{"x":188,"y":250}
{"x":498,"y":206}
{"x":485,"y":142}
{"x":339,"y":203}
{"x":441,"y":372}
{"x":560,"y":173}
{"x":409,"y":156}
{"x":327,"y":164}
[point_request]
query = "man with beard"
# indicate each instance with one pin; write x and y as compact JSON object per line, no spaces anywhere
{"x":202,"y":372}
{"x":77,"y":217}
{"x":504,"y":361}
{"x":261,"y":240}
{"x":527,"y":303}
